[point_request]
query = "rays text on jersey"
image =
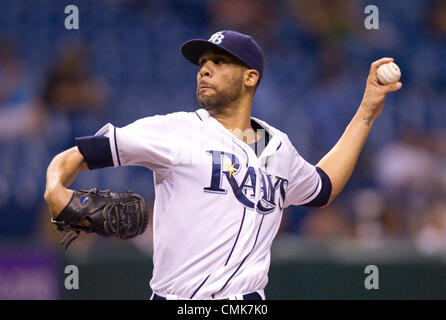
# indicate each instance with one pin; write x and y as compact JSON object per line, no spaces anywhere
{"x":273,"y":188}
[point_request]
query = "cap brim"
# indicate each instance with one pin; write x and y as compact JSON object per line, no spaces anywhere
{"x":193,"y":49}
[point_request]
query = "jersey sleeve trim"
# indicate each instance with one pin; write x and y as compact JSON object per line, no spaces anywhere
{"x":317,"y":189}
{"x":109,"y":131}
{"x":96,"y":151}
{"x":116,"y":146}
{"x":325,"y":191}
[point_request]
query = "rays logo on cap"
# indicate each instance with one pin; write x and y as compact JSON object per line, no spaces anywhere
{"x":217,"y":38}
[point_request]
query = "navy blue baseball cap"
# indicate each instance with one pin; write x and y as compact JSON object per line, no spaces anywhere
{"x":240,"y":45}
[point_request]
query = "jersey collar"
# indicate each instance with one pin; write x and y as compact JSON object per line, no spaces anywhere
{"x":275,"y":141}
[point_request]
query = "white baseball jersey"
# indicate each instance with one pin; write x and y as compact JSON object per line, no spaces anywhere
{"x":217,"y":205}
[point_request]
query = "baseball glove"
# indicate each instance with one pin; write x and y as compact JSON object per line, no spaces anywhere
{"x":119,"y":215}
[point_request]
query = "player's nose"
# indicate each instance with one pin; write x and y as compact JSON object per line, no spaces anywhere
{"x":205,"y":70}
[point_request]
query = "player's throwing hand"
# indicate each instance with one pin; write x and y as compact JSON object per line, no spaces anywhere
{"x":375,"y":93}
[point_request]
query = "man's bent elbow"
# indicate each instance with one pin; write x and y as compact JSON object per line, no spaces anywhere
{"x":64,"y":168}
{"x":333,"y":196}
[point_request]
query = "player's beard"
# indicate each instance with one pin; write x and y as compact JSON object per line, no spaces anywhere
{"x":219,"y":99}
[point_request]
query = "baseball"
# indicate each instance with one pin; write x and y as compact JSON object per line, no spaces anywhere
{"x":388,"y":73}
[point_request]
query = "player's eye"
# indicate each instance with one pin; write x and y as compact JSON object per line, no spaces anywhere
{"x":202,"y":62}
{"x":216,"y":61}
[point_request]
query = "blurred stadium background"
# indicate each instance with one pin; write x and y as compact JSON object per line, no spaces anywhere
{"x":124,"y":63}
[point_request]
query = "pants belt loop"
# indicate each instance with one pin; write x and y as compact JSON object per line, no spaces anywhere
{"x":157,"y":297}
{"x":253,"y":296}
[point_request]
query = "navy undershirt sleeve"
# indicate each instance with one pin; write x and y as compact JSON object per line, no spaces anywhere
{"x":96,"y":151}
{"x":324,"y":195}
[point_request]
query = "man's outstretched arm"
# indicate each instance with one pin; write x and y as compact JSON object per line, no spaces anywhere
{"x":61,"y":173}
{"x":340,"y":161}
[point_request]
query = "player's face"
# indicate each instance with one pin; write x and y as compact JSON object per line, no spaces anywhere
{"x":219,"y":80}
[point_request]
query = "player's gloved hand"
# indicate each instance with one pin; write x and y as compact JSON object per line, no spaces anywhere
{"x":375,"y":94}
{"x":120,"y":215}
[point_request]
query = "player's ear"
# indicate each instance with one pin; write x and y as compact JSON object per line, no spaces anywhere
{"x":251,"y":77}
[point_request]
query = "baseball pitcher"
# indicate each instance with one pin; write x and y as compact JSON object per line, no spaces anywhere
{"x":222,"y":178}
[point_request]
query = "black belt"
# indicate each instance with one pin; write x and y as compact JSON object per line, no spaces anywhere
{"x":248,"y":296}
